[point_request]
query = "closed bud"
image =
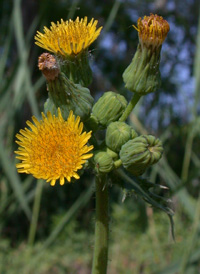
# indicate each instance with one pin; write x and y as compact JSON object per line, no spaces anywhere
{"x":103,"y":162}
{"x":109,"y":108}
{"x":117,"y":134}
{"x":138,"y":154}
{"x":142,"y":75}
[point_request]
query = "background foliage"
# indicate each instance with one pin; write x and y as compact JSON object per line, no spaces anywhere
{"x":64,"y":236}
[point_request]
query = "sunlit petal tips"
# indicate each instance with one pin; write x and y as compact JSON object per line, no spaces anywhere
{"x":68,"y":37}
{"x":56,"y":150}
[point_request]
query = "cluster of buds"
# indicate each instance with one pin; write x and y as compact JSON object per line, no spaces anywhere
{"x":142,"y":76}
{"x":125,"y":147}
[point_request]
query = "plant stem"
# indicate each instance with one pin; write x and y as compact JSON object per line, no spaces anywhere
{"x":36,"y":209}
{"x":100,"y":258}
{"x":187,"y":157}
{"x":130,"y":107}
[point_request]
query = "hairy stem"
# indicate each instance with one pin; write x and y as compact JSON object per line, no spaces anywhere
{"x":100,"y":258}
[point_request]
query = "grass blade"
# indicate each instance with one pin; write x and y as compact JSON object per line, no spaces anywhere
{"x":12,"y":175}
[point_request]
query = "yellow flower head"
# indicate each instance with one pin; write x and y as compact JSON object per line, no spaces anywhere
{"x":152,"y":30}
{"x":54,"y":148}
{"x":68,"y":37}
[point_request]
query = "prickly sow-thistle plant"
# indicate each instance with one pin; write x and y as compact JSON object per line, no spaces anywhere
{"x":56,"y":148}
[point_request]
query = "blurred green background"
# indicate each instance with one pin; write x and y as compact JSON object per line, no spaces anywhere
{"x":140,"y":238}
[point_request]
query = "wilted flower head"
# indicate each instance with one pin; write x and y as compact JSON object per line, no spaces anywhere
{"x":152,"y":30}
{"x":68,"y":37}
{"x":48,"y":65}
{"x":54,"y":149}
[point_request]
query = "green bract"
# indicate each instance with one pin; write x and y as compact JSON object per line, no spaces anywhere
{"x":138,"y":154}
{"x":142,"y":75}
{"x":68,"y":96}
{"x":109,"y":108}
{"x":77,"y":68}
{"x":117,"y":134}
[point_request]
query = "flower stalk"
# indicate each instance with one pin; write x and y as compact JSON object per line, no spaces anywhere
{"x":130,"y":107}
{"x":100,"y":259}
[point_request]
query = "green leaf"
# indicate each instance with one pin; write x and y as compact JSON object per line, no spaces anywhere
{"x":144,"y":189}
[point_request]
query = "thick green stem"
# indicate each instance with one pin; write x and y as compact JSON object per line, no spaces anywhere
{"x":35,"y":214}
{"x":100,"y":258}
{"x":130,"y":107}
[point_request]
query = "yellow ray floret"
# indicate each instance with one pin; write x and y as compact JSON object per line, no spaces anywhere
{"x":68,"y":37}
{"x":152,"y":30}
{"x":54,"y":149}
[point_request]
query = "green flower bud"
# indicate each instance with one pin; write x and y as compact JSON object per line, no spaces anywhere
{"x":103,"y":162}
{"x":117,"y":134}
{"x":109,"y":108}
{"x":138,"y":154}
{"x":142,"y":75}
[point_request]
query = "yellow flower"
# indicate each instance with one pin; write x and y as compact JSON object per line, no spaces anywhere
{"x":54,"y":148}
{"x":68,"y":37}
{"x":152,"y":30}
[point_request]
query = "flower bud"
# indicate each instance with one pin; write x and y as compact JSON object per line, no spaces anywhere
{"x":142,"y":75}
{"x":109,"y":108}
{"x":117,"y":134}
{"x":103,"y":162}
{"x":138,"y":154}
